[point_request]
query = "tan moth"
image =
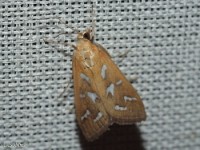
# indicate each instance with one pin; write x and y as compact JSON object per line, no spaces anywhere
{"x":103,"y":95}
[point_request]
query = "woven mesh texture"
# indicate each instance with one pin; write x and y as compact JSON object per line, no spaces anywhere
{"x":163,"y":41}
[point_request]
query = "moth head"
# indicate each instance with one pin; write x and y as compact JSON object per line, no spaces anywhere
{"x":87,"y":34}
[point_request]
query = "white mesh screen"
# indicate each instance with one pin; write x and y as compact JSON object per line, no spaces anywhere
{"x":163,"y":39}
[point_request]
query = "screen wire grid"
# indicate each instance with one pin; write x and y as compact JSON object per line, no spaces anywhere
{"x":162,"y":38}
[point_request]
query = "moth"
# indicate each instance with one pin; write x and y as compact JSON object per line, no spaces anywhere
{"x":103,"y":95}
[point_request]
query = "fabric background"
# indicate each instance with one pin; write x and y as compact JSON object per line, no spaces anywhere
{"x":163,"y":40}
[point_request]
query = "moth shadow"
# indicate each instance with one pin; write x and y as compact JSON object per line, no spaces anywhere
{"x":117,"y":138}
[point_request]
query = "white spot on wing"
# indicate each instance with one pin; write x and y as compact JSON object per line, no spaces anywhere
{"x":110,"y":89}
{"x":87,"y":113}
{"x":82,"y":95}
{"x":92,"y":96}
{"x":83,"y":76}
{"x":103,"y":71}
{"x":119,"y":82}
{"x":99,"y":115}
{"x":117,"y":107}
{"x":126,"y":98}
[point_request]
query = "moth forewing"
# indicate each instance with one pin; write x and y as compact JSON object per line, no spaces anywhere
{"x":102,"y":94}
{"x":121,"y":100}
{"x":90,"y":112}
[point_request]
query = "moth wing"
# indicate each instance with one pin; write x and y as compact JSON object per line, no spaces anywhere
{"x":120,"y":98}
{"x":90,"y":112}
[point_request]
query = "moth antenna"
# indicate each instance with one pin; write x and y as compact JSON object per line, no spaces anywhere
{"x":93,"y":16}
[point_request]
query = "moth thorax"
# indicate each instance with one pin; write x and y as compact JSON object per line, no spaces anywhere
{"x":87,"y":55}
{"x":88,"y":60}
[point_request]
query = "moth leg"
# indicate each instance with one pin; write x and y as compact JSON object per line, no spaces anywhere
{"x":70,"y":108}
{"x":54,"y":42}
{"x":122,"y":54}
{"x":47,"y":41}
{"x":60,"y":20}
{"x":74,"y":29}
{"x":66,"y":88}
{"x":132,"y":78}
